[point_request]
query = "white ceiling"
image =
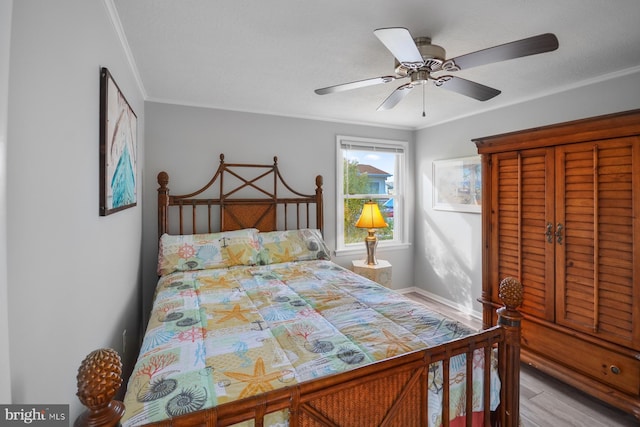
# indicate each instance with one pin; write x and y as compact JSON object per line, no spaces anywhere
{"x":268,"y":56}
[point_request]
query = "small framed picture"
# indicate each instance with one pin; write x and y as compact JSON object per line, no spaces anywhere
{"x":118,"y":148}
{"x":457,"y":184}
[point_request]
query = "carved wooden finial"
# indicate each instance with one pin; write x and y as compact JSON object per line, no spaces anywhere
{"x":319,"y":181}
{"x":99,"y":378}
{"x":221,"y":158}
{"x":511,"y":292}
{"x":163,"y":179}
{"x":275,"y":160}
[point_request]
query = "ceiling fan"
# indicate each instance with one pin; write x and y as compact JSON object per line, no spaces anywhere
{"x":417,"y":59}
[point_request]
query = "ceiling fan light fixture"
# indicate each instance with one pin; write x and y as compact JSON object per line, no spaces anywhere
{"x":420,"y":77}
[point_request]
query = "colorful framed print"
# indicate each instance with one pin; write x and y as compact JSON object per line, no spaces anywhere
{"x":457,"y":184}
{"x":118,"y":148}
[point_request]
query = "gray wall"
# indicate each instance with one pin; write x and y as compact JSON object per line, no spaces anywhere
{"x":5,"y":34}
{"x":186,"y":142}
{"x":448,"y":261}
{"x":73,"y":276}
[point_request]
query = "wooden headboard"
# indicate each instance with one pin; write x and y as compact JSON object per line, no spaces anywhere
{"x":239,"y":196}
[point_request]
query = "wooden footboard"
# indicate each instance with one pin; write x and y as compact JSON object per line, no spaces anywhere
{"x":389,"y":393}
{"x":393,"y":392}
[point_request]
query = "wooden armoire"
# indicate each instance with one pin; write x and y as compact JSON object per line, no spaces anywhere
{"x":561,"y":212}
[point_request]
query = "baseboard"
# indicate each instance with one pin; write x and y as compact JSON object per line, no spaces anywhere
{"x":452,"y":304}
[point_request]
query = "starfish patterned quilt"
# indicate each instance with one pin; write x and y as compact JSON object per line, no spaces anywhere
{"x":216,"y":335}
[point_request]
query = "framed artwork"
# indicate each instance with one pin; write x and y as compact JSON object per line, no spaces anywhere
{"x":118,"y":148}
{"x":457,"y":184}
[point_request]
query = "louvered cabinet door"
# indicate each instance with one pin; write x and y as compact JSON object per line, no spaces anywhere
{"x":521,"y":209}
{"x":597,"y":269}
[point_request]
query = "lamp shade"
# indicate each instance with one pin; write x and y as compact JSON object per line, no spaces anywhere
{"x":371,"y":216}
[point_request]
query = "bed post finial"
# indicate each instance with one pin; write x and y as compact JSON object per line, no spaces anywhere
{"x":511,"y":294}
{"x":99,"y":378}
{"x":275,"y":160}
{"x":163,"y":179}
{"x":221,"y":158}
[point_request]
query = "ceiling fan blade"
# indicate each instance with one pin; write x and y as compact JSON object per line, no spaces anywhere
{"x":401,"y":45}
{"x":355,"y":85}
{"x":395,"y":97}
{"x":517,"y":49}
{"x":467,"y":87}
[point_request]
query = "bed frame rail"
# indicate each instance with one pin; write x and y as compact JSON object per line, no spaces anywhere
{"x":393,"y":392}
{"x":242,"y":196}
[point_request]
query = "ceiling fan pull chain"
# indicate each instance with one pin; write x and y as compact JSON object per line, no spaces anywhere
{"x":423,"y":113}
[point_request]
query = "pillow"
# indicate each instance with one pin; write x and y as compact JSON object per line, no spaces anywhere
{"x":291,"y":245}
{"x":207,"y":251}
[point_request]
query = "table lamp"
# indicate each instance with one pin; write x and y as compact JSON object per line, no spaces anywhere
{"x":371,"y":218}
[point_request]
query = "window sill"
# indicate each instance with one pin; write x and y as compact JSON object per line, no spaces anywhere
{"x":362,"y":250}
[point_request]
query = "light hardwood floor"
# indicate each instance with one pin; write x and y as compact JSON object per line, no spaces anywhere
{"x":545,"y":401}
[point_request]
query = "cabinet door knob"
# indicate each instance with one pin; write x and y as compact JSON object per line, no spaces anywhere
{"x":549,"y":232}
{"x":614,"y":369}
{"x":559,"y":233}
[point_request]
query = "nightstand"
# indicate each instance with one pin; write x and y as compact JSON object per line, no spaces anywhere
{"x":379,"y":273}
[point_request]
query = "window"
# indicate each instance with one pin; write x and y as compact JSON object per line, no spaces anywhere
{"x":369,"y":169}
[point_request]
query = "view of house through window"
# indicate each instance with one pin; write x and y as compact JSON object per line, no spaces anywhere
{"x":369,"y":170}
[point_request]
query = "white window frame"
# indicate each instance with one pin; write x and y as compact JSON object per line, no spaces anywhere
{"x":400,"y":232}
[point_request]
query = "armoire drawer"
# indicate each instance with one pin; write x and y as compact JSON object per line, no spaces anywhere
{"x":614,"y":369}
